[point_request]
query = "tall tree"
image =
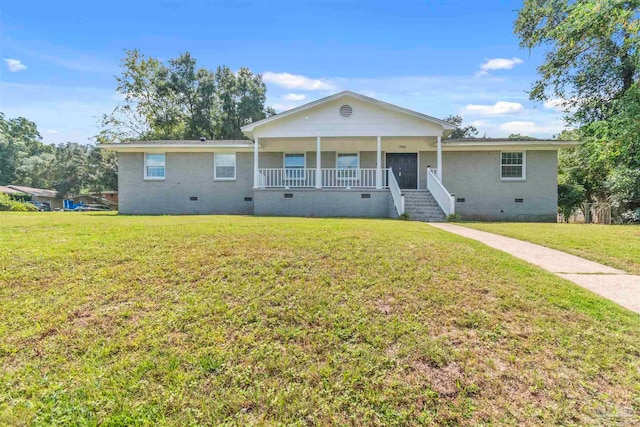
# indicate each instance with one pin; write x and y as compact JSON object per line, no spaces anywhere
{"x":102,"y":170}
{"x":177,"y":100}
{"x":591,"y":67}
{"x":71,"y":169}
{"x":37,"y":171}
{"x":19,"y":139}
{"x":591,"y":52}
{"x":242,"y":97}
{"x":468,"y":131}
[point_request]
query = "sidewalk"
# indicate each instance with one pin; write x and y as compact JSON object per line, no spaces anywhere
{"x":611,"y":283}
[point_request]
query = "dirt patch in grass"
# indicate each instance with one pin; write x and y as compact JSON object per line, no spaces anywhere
{"x":444,"y":381}
{"x":273,"y":321}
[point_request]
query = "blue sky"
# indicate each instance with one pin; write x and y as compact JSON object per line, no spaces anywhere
{"x":437,"y":57}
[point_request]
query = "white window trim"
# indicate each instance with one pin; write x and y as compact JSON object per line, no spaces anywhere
{"x":303,"y":176}
{"x":284,"y":155}
{"x":235,"y":168}
{"x":154,"y":178}
{"x":349,"y":179}
{"x":357,"y":153}
{"x":524,"y":167}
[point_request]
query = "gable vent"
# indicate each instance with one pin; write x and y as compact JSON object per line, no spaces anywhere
{"x":346,"y":111}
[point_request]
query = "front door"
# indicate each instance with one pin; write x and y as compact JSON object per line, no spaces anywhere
{"x":405,"y":169}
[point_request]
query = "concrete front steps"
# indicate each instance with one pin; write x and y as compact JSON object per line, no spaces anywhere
{"x":421,"y":206}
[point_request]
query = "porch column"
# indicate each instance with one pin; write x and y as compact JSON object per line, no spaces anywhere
{"x":318,"y":164}
{"x":439,"y":156}
{"x":256,"y":177}
{"x":379,"y":164}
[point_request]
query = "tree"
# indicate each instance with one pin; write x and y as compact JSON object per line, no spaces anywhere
{"x":19,"y":139}
{"x":468,"y":131}
{"x":102,"y":170}
{"x":37,"y":171}
{"x":177,"y":100}
{"x":592,"y":52}
{"x":570,"y":197}
{"x":591,"y":68}
{"x":242,"y":97}
{"x":71,"y":169}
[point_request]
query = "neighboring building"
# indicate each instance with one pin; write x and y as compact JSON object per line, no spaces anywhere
{"x":40,"y":195}
{"x":110,"y":196}
{"x":109,"y":199}
{"x":345,"y":155}
{"x":9,"y":191}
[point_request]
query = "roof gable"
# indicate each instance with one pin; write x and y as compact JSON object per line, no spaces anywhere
{"x":369,"y":117}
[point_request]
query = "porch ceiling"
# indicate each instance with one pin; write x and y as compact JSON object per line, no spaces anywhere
{"x":395,"y":144}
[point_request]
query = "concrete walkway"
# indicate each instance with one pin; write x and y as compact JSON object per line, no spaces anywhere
{"x":611,"y":283}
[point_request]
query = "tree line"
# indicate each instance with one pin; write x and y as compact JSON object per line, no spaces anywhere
{"x":69,"y":168}
{"x":591,"y":68}
{"x":172,"y":100}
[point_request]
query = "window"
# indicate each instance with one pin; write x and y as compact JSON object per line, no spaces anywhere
{"x":294,"y":164}
{"x":348,"y":165}
{"x":224,"y":166}
{"x":154,"y":166}
{"x":513,"y":166}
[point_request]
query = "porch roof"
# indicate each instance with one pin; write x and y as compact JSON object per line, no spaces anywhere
{"x":446,"y":127}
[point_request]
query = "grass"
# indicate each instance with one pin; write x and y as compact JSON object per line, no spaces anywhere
{"x":614,"y":245}
{"x":177,"y":320}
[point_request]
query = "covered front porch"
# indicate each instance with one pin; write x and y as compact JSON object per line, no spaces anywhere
{"x":344,"y":163}
{"x":348,"y":143}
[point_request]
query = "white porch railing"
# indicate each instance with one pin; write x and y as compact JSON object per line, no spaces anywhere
{"x":287,"y":178}
{"x":350,"y":178}
{"x":445,"y":200}
{"x":396,"y":193}
{"x":330,"y":178}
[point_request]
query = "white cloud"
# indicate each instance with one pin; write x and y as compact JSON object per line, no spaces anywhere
{"x":532,"y":128}
{"x":498,"y":64}
{"x":500,"y":107}
{"x":52,"y":132}
{"x":295,"y":97}
{"x":14,"y":65}
{"x":293,"y":81}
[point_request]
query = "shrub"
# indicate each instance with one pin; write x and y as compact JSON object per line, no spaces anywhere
{"x":7,"y":204}
{"x":570,"y":196}
{"x":631,"y":216}
{"x":454,"y":218}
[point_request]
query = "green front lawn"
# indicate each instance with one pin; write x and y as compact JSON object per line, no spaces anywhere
{"x":177,"y":320}
{"x":614,"y":245}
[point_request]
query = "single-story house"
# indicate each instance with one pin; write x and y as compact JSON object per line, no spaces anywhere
{"x":39,"y":195}
{"x":10,"y":191}
{"x":346,"y":155}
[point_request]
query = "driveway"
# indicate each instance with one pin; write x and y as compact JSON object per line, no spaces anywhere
{"x":608,"y":282}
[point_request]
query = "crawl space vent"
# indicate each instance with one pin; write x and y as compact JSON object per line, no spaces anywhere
{"x":346,"y":111}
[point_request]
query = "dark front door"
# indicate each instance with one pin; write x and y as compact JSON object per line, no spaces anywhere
{"x":405,"y":168}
